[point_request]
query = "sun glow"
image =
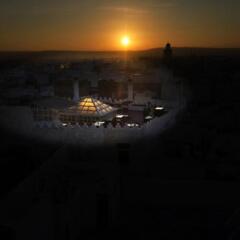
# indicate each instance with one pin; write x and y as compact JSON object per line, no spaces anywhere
{"x":125,"y":41}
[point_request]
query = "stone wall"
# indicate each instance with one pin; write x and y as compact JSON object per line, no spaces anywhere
{"x":76,"y":134}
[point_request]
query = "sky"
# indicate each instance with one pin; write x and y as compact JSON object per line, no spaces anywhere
{"x":100,"y":24}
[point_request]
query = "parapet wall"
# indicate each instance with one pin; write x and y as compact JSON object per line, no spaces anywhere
{"x":20,"y":120}
{"x":111,"y":100}
{"x":76,"y":134}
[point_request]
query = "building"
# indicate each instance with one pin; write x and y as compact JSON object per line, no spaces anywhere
{"x":87,"y":110}
{"x":167,"y":52}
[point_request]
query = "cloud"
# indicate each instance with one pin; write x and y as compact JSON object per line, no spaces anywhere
{"x":127,"y":10}
{"x":146,"y":8}
{"x":164,"y":4}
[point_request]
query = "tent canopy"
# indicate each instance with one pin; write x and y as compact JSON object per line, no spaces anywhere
{"x":89,"y":106}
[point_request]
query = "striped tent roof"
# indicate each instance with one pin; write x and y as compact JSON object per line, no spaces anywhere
{"x":89,"y":106}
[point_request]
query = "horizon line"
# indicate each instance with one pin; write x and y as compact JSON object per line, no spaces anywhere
{"x":140,"y":50}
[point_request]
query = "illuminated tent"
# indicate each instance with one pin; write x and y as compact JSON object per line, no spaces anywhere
{"x":90,"y":109}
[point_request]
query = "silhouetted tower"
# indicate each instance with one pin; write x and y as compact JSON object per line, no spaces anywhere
{"x":167,"y":52}
{"x":130,"y":90}
{"x":76,"y":90}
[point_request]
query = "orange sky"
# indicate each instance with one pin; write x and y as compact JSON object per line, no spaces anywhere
{"x":100,"y":25}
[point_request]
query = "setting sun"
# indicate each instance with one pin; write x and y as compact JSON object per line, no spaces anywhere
{"x":125,"y":41}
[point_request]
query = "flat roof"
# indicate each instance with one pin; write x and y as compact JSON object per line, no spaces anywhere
{"x":55,"y":103}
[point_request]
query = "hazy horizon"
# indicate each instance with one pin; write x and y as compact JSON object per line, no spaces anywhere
{"x":141,"y":50}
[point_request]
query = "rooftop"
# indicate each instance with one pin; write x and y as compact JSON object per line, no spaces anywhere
{"x":55,"y":103}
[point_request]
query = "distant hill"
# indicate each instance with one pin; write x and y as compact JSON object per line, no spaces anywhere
{"x":188,"y":51}
{"x":79,"y":55}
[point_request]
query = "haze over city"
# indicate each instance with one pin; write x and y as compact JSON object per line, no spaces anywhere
{"x":101,"y":25}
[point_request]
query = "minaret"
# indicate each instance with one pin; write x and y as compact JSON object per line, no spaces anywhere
{"x":76,"y":91}
{"x":130,"y":90}
{"x":167,"y":52}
